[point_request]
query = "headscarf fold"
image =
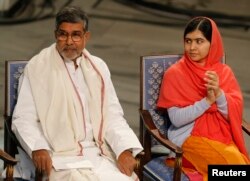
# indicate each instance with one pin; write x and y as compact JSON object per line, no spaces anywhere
{"x":183,"y":85}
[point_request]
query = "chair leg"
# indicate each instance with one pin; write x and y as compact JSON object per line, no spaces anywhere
{"x":39,"y":175}
{"x":9,"y":172}
{"x":177,"y":170}
{"x":140,"y":164}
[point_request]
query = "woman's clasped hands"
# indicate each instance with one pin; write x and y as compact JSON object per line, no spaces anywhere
{"x":212,"y":84}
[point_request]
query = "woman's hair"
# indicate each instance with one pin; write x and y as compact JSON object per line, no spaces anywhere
{"x":200,"y":23}
{"x":72,"y":14}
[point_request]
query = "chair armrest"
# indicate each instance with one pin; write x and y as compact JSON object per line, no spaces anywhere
{"x":7,"y":158}
{"x":9,"y":161}
{"x":152,"y":129}
{"x":246,"y":126}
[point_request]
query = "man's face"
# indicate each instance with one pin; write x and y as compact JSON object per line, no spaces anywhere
{"x":71,"y":39}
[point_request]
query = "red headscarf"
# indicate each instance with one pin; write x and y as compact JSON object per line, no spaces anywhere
{"x":183,"y":85}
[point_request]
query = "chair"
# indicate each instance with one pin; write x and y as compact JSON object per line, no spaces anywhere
{"x":154,"y":123}
{"x":13,"y":70}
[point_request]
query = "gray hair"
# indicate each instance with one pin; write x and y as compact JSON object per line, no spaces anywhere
{"x":72,"y":14}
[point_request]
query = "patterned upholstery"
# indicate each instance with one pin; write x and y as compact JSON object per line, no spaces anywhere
{"x":14,"y":69}
{"x":152,"y":70}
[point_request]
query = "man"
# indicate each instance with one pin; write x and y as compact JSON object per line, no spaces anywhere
{"x":68,"y":117}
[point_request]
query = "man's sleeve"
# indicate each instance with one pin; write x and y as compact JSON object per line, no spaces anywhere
{"x":25,"y":122}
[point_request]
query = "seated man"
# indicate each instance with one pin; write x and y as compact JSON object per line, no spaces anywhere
{"x":67,"y":108}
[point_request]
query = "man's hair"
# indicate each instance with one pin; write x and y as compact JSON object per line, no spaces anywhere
{"x":201,"y":23}
{"x":72,"y":14}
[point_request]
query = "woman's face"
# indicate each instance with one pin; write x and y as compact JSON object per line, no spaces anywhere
{"x":196,"y":47}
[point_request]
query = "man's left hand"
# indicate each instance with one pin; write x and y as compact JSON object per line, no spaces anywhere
{"x":126,"y":163}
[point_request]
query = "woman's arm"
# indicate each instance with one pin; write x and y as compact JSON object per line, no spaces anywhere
{"x":182,"y":116}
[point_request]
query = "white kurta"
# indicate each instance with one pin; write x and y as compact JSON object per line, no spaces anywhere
{"x":118,"y":134}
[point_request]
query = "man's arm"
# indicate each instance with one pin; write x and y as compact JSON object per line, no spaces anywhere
{"x":27,"y":128}
{"x":119,"y":135}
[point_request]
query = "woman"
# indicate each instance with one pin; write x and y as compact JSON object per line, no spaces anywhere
{"x":204,"y":101}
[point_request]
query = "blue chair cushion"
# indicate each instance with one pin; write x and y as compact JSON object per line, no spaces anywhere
{"x":157,"y":170}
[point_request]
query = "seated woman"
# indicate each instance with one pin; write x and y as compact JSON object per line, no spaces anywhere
{"x":204,"y":102}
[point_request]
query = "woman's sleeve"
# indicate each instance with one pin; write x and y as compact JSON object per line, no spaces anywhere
{"x":185,"y":115}
{"x":221,"y":102}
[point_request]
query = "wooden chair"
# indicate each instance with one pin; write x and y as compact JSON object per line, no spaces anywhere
{"x":154,"y":123}
{"x":13,"y":71}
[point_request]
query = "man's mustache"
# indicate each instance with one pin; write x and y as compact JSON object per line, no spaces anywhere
{"x":69,"y":48}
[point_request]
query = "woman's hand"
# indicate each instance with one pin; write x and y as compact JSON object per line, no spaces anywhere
{"x":212,"y":84}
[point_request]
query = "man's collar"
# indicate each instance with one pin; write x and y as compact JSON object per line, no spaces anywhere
{"x":78,"y":60}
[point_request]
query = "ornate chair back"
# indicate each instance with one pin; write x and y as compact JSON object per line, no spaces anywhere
{"x":156,"y":122}
{"x":152,"y":70}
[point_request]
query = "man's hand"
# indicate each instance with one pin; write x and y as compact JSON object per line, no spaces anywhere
{"x":42,"y":161}
{"x":126,"y":163}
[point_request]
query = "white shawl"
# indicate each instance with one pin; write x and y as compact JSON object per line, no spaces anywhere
{"x":54,"y":94}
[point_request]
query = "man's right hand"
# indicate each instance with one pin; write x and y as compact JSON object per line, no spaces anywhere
{"x":42,"y":161}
